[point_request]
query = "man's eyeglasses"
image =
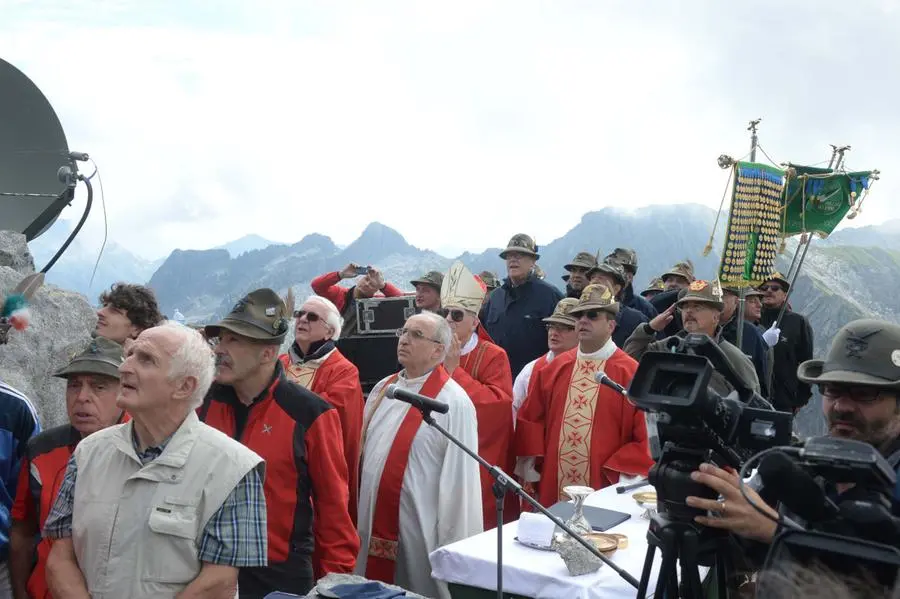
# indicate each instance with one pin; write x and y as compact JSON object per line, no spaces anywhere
{"x":415,"y":334}
{"x":770,"y":288}
{"x":455,"y":315}
{"x":858,"y":394}
{"x":310,"y":316}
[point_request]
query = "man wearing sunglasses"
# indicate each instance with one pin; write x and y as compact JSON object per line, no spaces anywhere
{"x":482,"y":370}
{"x":700,"y":309}
{"x":793,"y":344}
{"x":417,"y":490}
{"x":586,"y":433}
{"x":313,"y":362}
{"x":860,"y":385}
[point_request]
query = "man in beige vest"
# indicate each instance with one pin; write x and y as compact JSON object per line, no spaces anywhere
{"x":163,"y":506}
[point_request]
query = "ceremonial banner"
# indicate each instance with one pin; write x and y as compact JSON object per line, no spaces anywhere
{"x":818,"y":199}
{"x":754,"y":225}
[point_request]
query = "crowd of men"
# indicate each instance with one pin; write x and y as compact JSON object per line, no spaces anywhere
{"x":203,"y":462}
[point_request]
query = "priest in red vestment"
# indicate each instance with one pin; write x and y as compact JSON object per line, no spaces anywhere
{"x":482,"y":370}
{"x":587,"y":434}
{"x":315,"y":363}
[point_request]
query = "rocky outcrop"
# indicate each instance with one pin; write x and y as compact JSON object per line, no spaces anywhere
{"x":60,"y":322}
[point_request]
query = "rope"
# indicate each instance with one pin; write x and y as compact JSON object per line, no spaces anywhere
{"x":712,"y":235}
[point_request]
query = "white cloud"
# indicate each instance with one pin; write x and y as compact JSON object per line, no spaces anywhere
{"x":458,"y":124}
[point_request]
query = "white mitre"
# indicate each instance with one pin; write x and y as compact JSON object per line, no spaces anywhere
{"x":462,"y":289}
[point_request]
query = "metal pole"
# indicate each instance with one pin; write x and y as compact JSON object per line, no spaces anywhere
{"x":742,"y":296}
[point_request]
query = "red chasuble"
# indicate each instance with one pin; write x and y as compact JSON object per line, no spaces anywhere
{"x":336,"y":380}
{"x":586,"y":433}
{"x":384,"y":540}
{"x":485,"y":375}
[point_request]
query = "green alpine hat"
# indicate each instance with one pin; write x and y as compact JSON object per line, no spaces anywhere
{"x":561,"y":314}
{"x":864,"y":352}
{"x":613,"y":269}
{"x":431,"y":278}
{"x":584,"y":260}
{"x":595,"y":297}
{"x":627,"y":257}
{"x":523,"y":244}
{"x":260,"y":315}
{"x":99,"y":356}
{"x":704,"y":292}
{"x":490,"y":279}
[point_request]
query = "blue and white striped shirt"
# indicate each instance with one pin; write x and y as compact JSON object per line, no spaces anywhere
{"x":18,"y":423}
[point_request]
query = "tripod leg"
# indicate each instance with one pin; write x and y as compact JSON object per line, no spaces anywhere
{"x":690,"y":573}
{"x":724,"y":572}
{"x":499,"y":496}
{"x":645,"y":573}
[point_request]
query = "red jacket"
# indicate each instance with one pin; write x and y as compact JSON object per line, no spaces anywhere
{"x":485,"y":376}
{"x":40,"y":477}
{"x":327,"y":286}
{"x":298,"y":434}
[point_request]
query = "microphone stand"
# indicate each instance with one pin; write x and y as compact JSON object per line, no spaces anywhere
{"x":504,"y":483}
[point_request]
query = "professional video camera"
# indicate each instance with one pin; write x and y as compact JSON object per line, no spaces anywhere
{"x":856,"y":534}
{"x":689,"y":423}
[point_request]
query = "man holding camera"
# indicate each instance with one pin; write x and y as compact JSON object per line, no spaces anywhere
{"x":701,"y":312}
{"x":370,"y":282}
{"x":860,"y":385}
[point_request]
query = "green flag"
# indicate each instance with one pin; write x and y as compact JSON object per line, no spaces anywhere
{"x":818,"y":199}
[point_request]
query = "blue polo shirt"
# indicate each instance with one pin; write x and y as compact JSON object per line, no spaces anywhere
{"x":18,"y":423}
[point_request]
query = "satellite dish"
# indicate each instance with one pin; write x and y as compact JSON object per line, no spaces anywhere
{"x":37,"y":171}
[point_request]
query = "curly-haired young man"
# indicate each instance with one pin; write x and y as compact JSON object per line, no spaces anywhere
{"x":125,"y":311}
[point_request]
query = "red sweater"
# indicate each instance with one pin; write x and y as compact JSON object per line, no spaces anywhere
{"x":327,"y":286}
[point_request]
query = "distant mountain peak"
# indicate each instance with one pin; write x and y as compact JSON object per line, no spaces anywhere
{"x":247,"y":243}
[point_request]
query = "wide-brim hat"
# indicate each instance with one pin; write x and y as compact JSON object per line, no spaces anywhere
{"x":99,"y":356}
{"x":432,"y":278}
{"x":612,"y":269}
{"x":778,"y":278}
{"x":682,"y":269}
{"x":522,"y":244}
{"x":260,"y":315}
{"x":582,"y":260}
{"x":489,"y":279}
{"x":624,"y":256}
{"x":595,"y":297}
{"x":864,"y":352}
{"x":655,"y":285}
{"x":703,"y":292}
{"x":561,"y":314}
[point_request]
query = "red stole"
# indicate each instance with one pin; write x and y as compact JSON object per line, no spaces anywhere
{"x":384,"y":538}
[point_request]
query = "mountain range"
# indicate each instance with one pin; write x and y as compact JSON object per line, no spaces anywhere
{"x":854,"y":273}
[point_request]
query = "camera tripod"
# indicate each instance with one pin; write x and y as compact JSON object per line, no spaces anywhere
{"x":692,"y":545}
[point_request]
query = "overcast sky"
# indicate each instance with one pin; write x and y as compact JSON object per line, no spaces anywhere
{"x":457,"y":123}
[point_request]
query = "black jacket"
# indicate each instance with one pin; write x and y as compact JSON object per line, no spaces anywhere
{"x":627,"y":320}
{"x":661,"y":302}
{"x":513,"y":318}
{"x":795,"y":345}
{"x":638,"y":302}
{"x":753,"y":346}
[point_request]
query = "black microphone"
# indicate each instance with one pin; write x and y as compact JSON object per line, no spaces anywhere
{"x":796,"y":489}
{"x":601,"y":378}
{"x":426,"y":404}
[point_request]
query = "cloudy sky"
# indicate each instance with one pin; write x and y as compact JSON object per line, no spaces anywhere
{"x":457,"y":123}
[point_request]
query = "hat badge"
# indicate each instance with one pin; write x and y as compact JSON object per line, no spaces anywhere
{"x":698,"y":285}
{"x":895,"y":357}
{"x":270,"y":311}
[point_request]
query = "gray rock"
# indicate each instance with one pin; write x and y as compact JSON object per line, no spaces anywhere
{"x":14,"y":252}
{"x":60,"y":322}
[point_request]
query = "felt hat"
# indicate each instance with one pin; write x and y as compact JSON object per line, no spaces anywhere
{"x":778,"y":278}
{"x":522,"y":243}
{"x":431,"y":278}
{"x":582,"y":260}
{"x":864,"y":352}
{"x":682,"y":269}
{"x":627,"y":257}
{"x":595,"y":297}
{"x":561,"y":314}
{"x":490,"y":279}
{"x":613,"y":269}
{"x":704,"y":292}
{"x":99,"y":356}
{"x":260,"y":315}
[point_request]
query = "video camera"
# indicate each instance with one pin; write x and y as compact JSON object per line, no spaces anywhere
{"x":689,"y":423}
{"x":855,"y":534}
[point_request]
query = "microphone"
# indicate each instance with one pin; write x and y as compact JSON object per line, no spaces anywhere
{"x":601,"y":378}
{"x":426,"y":404}
{"x":796,"y":489}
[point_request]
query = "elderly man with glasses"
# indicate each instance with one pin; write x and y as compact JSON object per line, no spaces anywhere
{"x":586,"y":433}
{"x":418,"y":491}
{"x":315,"y":363}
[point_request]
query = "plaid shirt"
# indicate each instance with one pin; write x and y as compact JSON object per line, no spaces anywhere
{"x":234,"y":536}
